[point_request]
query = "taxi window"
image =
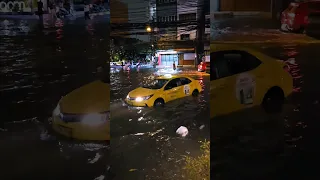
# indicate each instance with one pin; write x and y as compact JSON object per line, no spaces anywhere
{"x":218,"y":67}
{"x":172,"y":84}
{"x":185,"y":81}
{"x":228,"y":63}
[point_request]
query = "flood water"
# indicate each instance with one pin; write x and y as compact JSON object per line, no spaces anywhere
{"x":255,"y":145}
{"x":144,"y":142}
{"x":38,"y":65}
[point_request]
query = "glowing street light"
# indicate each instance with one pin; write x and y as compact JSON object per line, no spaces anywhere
{"x":149,"y":29}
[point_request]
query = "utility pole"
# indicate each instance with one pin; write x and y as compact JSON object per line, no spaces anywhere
{"x":199,"y":50}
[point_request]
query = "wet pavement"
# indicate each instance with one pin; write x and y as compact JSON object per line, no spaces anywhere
{"x":38,"y":65}
{"x":144,"y":143}
{"x":255,"y":145}
{"x":254,"y":30}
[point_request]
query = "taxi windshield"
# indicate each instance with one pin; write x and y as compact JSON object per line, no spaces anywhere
{"x":156,"y":84}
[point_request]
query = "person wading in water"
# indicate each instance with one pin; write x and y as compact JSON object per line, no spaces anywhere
{"x":174,"y":65}
{"x":86,"y":11}
{"x":40,"y":11}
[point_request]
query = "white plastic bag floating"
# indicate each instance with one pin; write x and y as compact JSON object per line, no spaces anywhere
{"x":182,"y":131}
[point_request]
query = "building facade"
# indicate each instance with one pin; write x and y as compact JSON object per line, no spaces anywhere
{"x":137,"y":12}
{"x":118,"y":16}
{"x":182,"y":36}
{"x":166,"y":12}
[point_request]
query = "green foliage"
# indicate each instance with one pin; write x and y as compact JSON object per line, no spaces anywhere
{"x":127,"y":48}
{"x":198,"y":168}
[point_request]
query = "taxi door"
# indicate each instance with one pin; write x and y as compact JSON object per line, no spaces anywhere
{"x":235,"y":81}
{"x":187,"y":87}
{"x":172,"y":90}
{"x":222,"y":97}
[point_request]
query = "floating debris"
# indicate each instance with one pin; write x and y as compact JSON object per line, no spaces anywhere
{"x":95,"y":159}
{"x":182,"y":131}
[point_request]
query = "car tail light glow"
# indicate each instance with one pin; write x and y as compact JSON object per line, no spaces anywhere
{"x":306,"y":20}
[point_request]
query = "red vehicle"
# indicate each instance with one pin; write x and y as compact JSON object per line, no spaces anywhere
{"x":202,"y":67}
{"x":295,"y":17}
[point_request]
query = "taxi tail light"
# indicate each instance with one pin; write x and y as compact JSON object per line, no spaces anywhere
{"x":286,"y":68}
{"x":284,"y":65}
{"x":200,"y":82}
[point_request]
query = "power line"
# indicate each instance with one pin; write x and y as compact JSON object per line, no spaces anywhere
{"x":184,"y":9}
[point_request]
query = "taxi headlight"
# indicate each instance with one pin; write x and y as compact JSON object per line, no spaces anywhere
{"x":95,"y":119}
{"x":139,"y":99}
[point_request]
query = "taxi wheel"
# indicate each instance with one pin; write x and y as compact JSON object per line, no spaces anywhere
{"x":273,"y":101}
{"x":158,"y":103}
{"x":195,"y":92}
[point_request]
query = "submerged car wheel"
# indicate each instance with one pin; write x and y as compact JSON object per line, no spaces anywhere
{"x":273,"y":100}
{"x":158,"y":103}
{"x":195,"y":92}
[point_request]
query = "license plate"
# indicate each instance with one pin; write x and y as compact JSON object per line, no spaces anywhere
{"x":65,"y":131}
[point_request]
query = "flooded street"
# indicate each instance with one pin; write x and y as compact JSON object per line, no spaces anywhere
{"x":38,"y":65}
{"x":144,"y":142}
{"x":255,"y":145}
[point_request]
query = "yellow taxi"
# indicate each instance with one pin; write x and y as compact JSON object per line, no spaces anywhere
{"x":243,"y":77}
{"x":162,"y":90}
{"x":84,"y":114}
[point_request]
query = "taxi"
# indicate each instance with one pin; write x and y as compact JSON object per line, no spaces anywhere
{"x":84,"y":113}
{"x":162,"y":90}
{"x":243,"y":77}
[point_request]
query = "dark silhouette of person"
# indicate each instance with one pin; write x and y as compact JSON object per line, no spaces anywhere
{"x":86,"y":11}
{"x":40,"y":10}
{"x":68,"y":6}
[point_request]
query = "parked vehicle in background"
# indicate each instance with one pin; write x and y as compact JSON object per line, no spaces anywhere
{"x":296,"y":17}
{"x":202,"y":67}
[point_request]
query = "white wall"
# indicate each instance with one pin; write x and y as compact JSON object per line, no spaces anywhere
{"x":189,"y":56}
{"x":207,"y":58}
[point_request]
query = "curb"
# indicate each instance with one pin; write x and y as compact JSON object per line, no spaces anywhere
{"x":185,"y":65}
{"x":268,"y":42}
